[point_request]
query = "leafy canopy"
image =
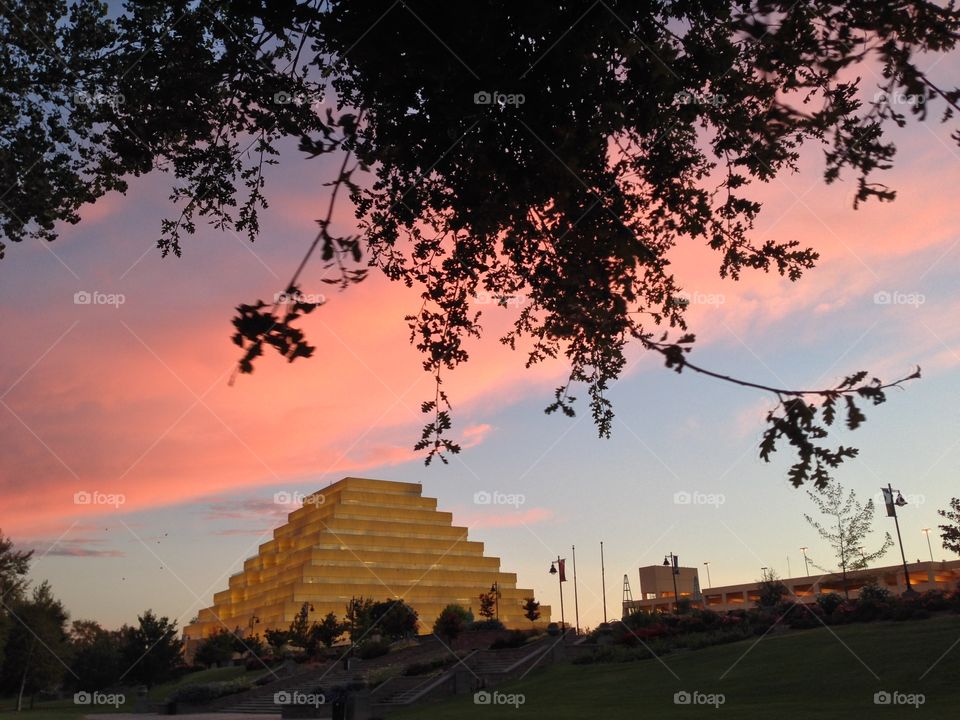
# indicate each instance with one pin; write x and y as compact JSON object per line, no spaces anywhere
{"x":549,"y":155}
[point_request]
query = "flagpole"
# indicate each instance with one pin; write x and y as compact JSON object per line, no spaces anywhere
{"x":576,"y":603}
{"x":603,"y":581}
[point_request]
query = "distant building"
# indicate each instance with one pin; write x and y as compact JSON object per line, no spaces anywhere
{"x":361,"y":537}
{"x":656,"y":585}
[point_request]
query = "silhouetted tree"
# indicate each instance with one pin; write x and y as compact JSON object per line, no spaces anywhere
{"x":36,"y":645}
{"x":488,"y":603}
{"x":14,"y":565}
{"x":300,"y":627}
{"x":358,"y":617}
{"x":152,"y":652}
{"x":95,"y":656}
{"x":328,"y":630}
{"x":531,"y":609}
{"x":771,"y":590}
{"x":847,"y":526}
{"x":452,"y":621}
{"x":216,"y":649}
{"x":950,"y":532}
{"x":551,"y":157}
{"x":394,"y":619}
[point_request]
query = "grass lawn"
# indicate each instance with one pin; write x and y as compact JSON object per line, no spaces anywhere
{"x":57,"y":709}
{"x":810,"y":673}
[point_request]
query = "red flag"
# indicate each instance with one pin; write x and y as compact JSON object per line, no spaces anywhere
{"x":563,"y":570}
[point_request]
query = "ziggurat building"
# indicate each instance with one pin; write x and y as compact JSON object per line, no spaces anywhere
{"x":362,"y":538}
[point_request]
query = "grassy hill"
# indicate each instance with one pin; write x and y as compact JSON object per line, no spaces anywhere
{"x":824,"y":673}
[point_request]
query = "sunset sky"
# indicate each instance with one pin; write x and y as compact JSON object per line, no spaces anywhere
{"x":133,"y":399}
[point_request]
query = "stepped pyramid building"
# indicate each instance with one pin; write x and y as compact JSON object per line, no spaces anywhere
{"x":361,"y":537}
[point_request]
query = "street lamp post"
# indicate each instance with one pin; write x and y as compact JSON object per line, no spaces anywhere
{"x":806,"y":563}
{"x":926,"y":531}
{"x":555,"y":570}
{"x":674,"y":562}
{"x":709,"y":582}
{"x":892,"y":512}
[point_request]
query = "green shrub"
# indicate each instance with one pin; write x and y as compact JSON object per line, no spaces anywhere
{"x":205,"y":692}
{"x":373,"y":649}
{"x":829,"y":602}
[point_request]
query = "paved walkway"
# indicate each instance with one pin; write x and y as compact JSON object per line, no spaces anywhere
{"x":197,"y":716}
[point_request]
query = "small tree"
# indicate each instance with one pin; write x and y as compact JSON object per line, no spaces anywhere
{"x":277,"y":638}
{"x":327,"y":630}
{"x":95,"y":656}
{"x":151,"y":651}
{"x":394,"y":619}
{"x":950,"y":533}
{"x":300,"y":627}
{"x":531,"y":609}
{"x":771,"y":590}
{"x":216,"y":649}
{"x":849,"y":523}
{"x":357,"y":619}
{"x":35,"y":645}
{"x":452,"y":621}
{"x":488,"y":603}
